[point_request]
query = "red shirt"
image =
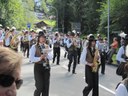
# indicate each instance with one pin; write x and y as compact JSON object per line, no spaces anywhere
{"x":114,"y":45}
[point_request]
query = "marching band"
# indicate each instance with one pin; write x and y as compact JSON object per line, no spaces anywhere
{"x":40,"y":45}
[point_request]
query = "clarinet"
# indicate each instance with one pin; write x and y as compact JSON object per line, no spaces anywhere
{"x":46,"y":61}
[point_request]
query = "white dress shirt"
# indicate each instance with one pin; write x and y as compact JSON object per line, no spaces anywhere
{"x":37,"y":59}
{"x":83,"y":56}
{"x":119,"y":54}
{"x":69,"y":43}
{"x":7,"y":41}
{"x":121,"y":90}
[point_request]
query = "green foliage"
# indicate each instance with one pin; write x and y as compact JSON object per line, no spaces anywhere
{"x":118,"y":15}
{"x":82,"y":11}
{"x":44,"y":6}
{"x":17,"y":13}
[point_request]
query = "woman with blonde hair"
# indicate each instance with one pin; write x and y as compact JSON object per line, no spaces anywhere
{"x":10,"y":67}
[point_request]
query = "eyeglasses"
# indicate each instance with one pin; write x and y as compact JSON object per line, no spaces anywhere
{"x":7,"y":81}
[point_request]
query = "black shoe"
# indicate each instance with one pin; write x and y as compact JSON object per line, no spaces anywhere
{"x":57,"y":64}
{"x":102,"y":73}
{"x":68,"y":69}
{"x":73,"y":72}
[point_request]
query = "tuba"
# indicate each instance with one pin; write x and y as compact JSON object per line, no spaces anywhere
{"x":96,"y":61}
{"x":15,"y":41}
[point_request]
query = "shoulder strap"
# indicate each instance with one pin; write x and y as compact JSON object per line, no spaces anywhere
{"x":126,"y":83}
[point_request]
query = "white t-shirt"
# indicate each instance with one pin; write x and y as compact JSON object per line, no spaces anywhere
{"x":121,"y":91}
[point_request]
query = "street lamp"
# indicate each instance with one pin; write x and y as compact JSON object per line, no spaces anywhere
{"x":56,"y":15}
{"x":108,"y":29}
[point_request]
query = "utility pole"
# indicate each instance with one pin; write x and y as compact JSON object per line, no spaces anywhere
{"x":108,"y":28}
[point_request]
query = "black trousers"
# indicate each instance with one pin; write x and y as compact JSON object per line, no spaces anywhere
{"x":21,"y":46}
{"x":78,"y":55}
{"x":103,"y":58}
{"x":42,"y":80}
{"x":66,"y":52}
{"x":92,"y":81}
{"x":72,"y":58}
{"x":56,"y":53}
{"x":26,"y":48}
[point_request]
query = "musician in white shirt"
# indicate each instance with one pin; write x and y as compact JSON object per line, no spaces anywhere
{"x":41,"y":66}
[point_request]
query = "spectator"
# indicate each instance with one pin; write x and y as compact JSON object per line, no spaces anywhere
{"x":122,"y":89}
{"x":113,"y":46}
{"x":10,"y":79}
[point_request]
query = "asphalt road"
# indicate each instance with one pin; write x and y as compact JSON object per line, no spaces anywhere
{"x":63,"y":83}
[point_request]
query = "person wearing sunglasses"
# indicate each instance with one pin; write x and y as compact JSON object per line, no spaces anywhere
{"x":10,"y":67}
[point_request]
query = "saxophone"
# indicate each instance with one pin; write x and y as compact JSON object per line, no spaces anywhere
{"x":96,"y":61}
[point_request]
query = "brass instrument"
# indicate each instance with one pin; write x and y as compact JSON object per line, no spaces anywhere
{"x":74,"y":41}
{"x":96,"y":61}
{"x":15,"y":41}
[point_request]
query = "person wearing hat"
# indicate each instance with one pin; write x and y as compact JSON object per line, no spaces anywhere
{"x":32,"y":38}
{"x":41,"y":65}
{"x":66,"y":37}
{"x":25,"y":40}
{"x":72,"y":52}
{"x":79,"y":46}
{"x":87,"y":57}
{"x":7,"y":38}
{"x":15,"y":40}
{"x":56,"y":48}
{"x":102,"y":47}
{"x":121,"y":54}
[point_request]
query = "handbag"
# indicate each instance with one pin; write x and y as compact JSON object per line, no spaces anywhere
{"x":120,"y":69}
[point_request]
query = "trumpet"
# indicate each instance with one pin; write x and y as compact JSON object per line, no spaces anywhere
{"x":96,"y":61}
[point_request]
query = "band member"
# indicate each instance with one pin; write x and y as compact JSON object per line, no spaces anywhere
{"x":33,"y":38}
{"x":102,"y":49}
{"x":15,"y":40}
{"x":72,"y":52}
{"x":21,"y":41}
{"x":65,"y":45}
{"x":90,"y":56}
{"x":1,"y":36}
{"x":8,"y":37}
{"x":79,"y":45}
{"x":56,"y":48}
{"x":25,"y":41}
{"x":41,"y":66}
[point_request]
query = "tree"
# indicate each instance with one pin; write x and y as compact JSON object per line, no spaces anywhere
{"x":83,"y":11}
{"x":13,"y":12}
{"x":118,"y":16}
